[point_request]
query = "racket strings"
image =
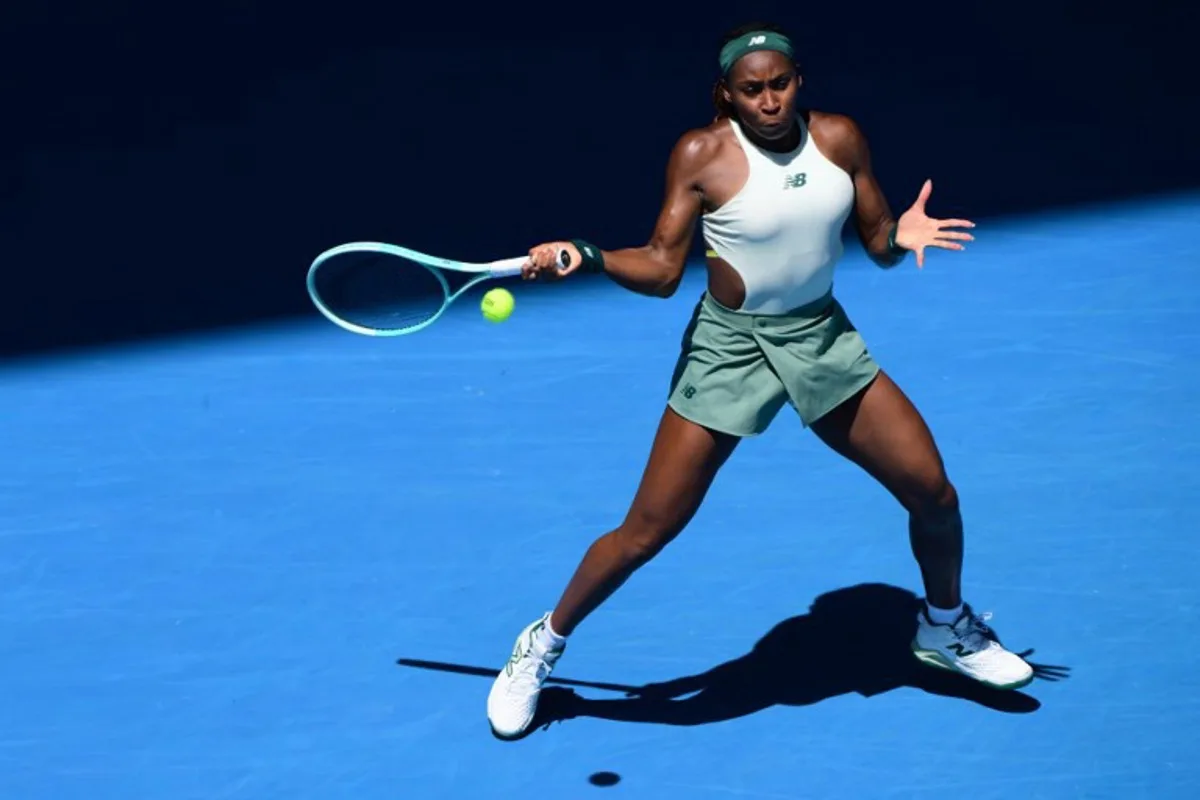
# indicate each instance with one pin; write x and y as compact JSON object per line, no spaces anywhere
{"x":378,"y":291}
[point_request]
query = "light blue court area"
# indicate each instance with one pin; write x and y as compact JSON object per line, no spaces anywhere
{"x":283,"y":563}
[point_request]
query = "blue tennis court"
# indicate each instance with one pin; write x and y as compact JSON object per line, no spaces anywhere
{"x":285,"y":562}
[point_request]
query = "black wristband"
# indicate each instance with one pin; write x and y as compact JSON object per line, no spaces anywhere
{"x":894,"y":249}
{"x":593,"y":259}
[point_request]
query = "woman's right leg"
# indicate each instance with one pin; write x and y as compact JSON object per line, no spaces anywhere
{"x":684,"y":459}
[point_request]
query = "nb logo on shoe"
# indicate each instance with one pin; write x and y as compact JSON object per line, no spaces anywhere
{"x":512,"y":661}
{"x":959,"y":650}
{"x":795,"y":181}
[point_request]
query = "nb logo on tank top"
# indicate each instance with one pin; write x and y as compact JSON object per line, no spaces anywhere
{"x":795,"y":181}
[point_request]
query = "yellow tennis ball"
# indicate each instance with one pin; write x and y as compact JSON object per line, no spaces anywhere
{"x":497,"y":305}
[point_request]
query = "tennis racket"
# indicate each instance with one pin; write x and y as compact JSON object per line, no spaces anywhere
{"x":378,"y":289}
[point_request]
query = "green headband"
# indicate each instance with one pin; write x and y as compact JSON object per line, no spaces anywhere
{"x":748,"y":43}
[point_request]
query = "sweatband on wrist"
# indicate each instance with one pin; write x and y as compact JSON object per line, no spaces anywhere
{"x":593,"y":259}
{"x":893,"y":248}
{"x":750,"y":42}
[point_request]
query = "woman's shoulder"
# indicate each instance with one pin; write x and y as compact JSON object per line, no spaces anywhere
{"x":700,"y":146}
{"x":832,"y":125}
{"x":714,"y":134}
{"x":838,"y":137}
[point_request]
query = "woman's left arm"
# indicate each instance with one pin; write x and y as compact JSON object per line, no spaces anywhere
{"x":887,"y":239}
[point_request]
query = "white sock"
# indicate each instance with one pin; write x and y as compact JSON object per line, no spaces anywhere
{"x":943,"y":616}
{"x":549,"y":639}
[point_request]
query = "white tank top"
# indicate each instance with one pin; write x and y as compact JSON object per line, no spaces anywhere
{"x":782,"y":231}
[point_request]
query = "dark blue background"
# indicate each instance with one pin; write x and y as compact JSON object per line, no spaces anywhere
{"x":168,"y":169}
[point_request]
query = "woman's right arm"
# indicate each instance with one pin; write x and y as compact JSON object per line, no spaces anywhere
{"x":656,"y":267}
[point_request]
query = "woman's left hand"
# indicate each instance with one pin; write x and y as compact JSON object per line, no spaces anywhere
{"x":915,"y":230}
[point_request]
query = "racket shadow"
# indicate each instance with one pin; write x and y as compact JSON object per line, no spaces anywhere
{"x":852,"y":640}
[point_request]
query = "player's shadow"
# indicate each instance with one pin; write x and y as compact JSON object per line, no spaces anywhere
{"x":852,"y":640}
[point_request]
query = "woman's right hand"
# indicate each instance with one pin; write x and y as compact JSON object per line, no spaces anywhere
{"x":544,"y":261}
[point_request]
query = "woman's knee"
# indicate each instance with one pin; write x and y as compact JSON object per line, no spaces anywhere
{"x":645,"y":532}
{"x":933,"y":496}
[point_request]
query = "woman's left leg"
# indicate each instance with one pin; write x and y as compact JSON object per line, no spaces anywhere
{"x":881,"y":430}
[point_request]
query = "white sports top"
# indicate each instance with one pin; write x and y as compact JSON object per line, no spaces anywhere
{"x":782,"y":231}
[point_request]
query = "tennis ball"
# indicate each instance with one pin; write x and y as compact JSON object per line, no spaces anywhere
{"x":497,"y":305}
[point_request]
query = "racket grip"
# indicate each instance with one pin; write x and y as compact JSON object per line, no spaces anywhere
{"x":513,"y":266}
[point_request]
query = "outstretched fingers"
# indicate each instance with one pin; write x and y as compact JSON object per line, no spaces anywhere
{"x":949,"y":239}
{"x":955,"y":223}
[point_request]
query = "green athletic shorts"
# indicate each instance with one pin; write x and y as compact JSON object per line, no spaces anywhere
{"x":737,"y":370}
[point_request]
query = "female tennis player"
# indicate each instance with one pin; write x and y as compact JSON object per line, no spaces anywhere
{"x":772,"y":187}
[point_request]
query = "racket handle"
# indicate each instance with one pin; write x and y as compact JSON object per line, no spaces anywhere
{"x":512,"y":266}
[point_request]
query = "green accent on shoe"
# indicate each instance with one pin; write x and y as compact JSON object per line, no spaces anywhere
{"x":936,"y":659}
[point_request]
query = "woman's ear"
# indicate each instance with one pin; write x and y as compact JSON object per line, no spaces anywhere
{"x":726,"y":95}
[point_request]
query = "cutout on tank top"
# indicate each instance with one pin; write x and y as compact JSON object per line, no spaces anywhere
{"x":725,"y":282}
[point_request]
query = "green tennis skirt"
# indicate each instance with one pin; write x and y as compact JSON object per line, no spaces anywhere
{"x":737,"y":370}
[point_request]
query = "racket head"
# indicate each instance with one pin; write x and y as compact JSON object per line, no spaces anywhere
{"x":378,"y":289}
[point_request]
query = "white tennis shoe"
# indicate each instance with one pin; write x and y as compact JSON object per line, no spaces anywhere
{"x":512,"y":702}
{"x":970,"y":647}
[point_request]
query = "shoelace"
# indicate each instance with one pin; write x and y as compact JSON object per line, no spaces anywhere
{"x":531,"y":669}
{"x":975,"y":630}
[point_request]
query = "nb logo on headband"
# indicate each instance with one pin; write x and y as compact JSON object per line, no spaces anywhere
{"x":758,"y":39}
